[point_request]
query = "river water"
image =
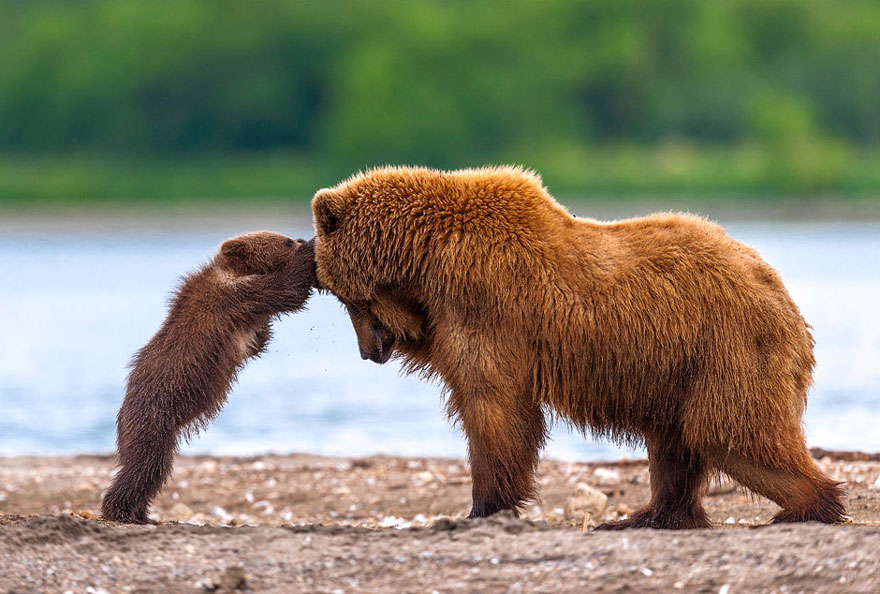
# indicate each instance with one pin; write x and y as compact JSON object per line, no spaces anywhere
{"x":76,"y":305}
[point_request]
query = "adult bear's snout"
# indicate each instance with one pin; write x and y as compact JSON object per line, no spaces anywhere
{"x":381,"y":347}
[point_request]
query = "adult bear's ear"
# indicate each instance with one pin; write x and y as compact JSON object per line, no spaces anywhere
{"x":329,"y":207}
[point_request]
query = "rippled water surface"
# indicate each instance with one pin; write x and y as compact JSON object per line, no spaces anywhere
{"x":77,"y":305}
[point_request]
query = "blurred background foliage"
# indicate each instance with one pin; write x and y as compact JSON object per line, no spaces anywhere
{"x":220,"y":98}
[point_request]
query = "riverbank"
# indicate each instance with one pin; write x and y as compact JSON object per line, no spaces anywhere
{"x":385,"y":524}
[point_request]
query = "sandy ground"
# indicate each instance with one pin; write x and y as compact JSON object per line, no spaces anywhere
{"x":303,"y":523}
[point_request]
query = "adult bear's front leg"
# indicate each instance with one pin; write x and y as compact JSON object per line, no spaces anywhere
{"x":504,"y":439}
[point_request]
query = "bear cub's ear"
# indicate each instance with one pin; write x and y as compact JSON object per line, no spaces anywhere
{"x":328,"y":207}
{"x":235,"y":250}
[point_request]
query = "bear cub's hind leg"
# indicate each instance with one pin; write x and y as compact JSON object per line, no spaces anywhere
{"x":678,"y":478}
{"x":146,"y":454}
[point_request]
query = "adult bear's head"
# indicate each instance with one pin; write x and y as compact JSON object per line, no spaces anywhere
{"x":403,"y":247}
{"x":358,"y":260}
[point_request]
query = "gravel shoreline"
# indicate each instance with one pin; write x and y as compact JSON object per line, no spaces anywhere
{"x":305,"y":523}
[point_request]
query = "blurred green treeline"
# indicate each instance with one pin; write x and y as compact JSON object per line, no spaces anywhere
{"x":189,"y":98}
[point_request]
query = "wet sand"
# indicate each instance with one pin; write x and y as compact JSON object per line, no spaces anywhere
{"x":304,"y":523}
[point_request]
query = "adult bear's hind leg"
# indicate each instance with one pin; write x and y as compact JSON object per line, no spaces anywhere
{"x":504,"y":440}
{"x":791,"y":479}
{"x":678,"y":477}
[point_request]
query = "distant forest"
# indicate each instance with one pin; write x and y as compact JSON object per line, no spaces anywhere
{"x":602,"y":95}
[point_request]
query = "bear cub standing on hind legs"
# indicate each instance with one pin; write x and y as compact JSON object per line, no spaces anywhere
{"x":219,"y":317}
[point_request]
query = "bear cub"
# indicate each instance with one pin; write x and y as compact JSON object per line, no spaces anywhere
{"x":219,"y":317}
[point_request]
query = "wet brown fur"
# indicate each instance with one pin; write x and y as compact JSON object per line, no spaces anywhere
{"x":218,"y":318}
{"x":660,"y":330}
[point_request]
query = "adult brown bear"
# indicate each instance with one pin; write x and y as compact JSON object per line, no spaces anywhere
{"x":661,"y":330}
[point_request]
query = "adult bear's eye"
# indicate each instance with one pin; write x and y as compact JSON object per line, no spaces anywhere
{"x":288,"y":242}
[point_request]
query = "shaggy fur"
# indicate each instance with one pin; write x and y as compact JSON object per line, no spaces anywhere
{"x":660,"y":330}
{"x":219,"y":317}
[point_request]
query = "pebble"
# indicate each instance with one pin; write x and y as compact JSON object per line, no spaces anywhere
{"x":424,"y":476}
{"x":606,"y":476}
{"x":876,"y":485}
{"x":209,"y":466}
{"x":721,"y":486}
{"x":584,"y":501}
{"x":232,"y":579}
{"x":198,"y":519}
{"x":221,"y":514}
{"x":180,"y":512}
{"x":395,"y":522}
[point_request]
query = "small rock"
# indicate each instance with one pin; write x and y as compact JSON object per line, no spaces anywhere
{"x":198,"y":519}
{"x":180,"y":512}
{"x":395,"y":522}
{"x":721,"y":486}
{"x":646,"y":571}
{"x":584,"y":500}
{"x":606,"y":476}
{"x":233,"y":579}
{"x":444,"y":525}
{"x":209,"y":466}
{"x":876,"y":485}
{"x":730,"y":520}
{"x":221,"y":514}
{"x":204,"y":584}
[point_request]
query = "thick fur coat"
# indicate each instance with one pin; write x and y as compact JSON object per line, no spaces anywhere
{"x":218,"y":318}
{"x":660,"y":330}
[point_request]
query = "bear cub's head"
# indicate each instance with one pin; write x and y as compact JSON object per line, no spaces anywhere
{"x":262,"y":252}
